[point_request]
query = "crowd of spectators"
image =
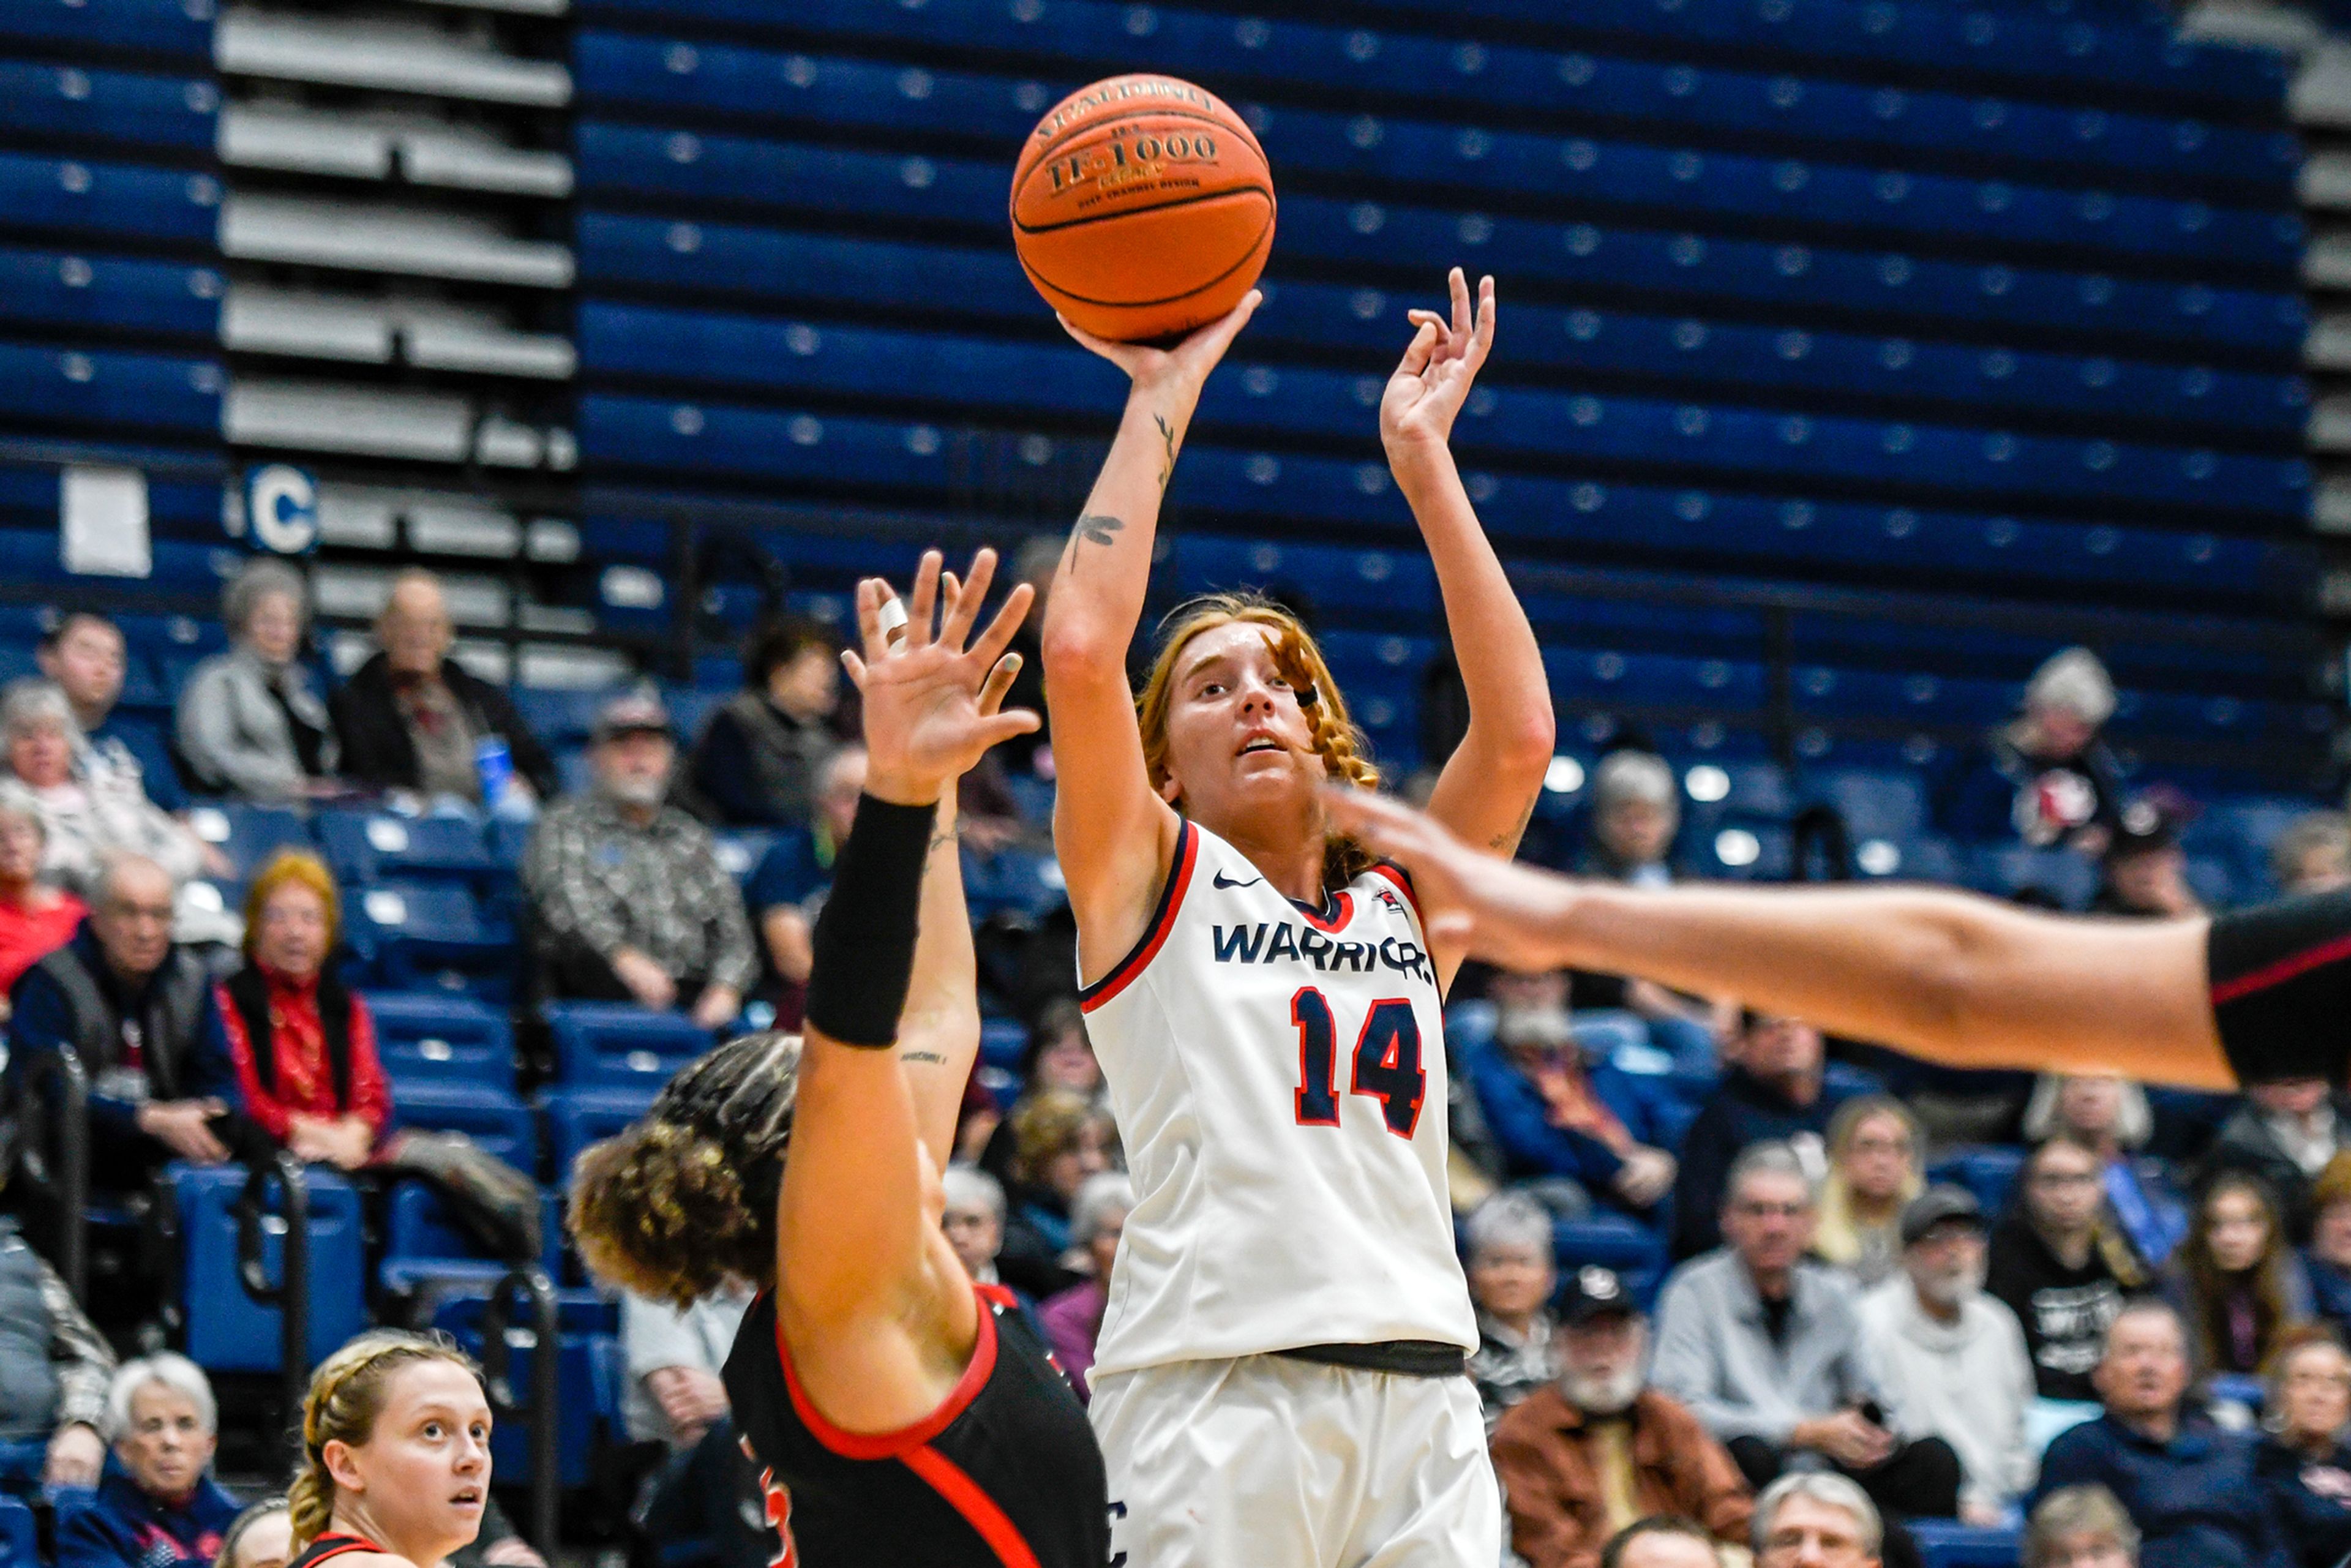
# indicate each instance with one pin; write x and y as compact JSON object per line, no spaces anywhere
{"x":1841,"y":1346}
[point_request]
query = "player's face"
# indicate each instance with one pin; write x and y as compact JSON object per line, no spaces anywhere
{"x":1238,"y":743}
{"x":423,"y":1474}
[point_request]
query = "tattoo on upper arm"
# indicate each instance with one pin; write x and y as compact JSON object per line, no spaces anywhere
{"x":1167,"y":465}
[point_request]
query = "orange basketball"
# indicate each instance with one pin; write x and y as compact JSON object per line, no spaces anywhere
{"x":1142,"y":207}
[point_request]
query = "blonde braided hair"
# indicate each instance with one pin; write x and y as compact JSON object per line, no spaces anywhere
{"x":345,"y":1398}
{"x":1334,"y":736}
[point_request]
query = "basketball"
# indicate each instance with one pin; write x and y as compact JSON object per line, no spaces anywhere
{"x":1142,"y":207}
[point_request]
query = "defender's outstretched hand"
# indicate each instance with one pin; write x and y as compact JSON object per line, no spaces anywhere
{"x":1495,"y":910}
{"x":931,"y":704}
{"x":1187,"y":364}
{"x":1425,"y":395}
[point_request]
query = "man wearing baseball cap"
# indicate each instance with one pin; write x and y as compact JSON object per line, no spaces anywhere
{"x":630,"y":900}
{"x":1950,"y":1358}
{"x":1596,"y":1449}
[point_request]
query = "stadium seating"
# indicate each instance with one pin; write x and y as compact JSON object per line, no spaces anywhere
{"x":587,"y":1376}
{"x":617,"y":1045}
{"x":227,"y":1330}
{"x":430,"y":1039}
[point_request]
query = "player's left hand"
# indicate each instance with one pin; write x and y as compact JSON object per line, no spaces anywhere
{"x":1494,"y":910}
{"x":931,"y":704}
{"x":1425,"y":395}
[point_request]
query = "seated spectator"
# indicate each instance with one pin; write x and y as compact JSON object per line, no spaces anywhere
{"x":2061,"y":1266}
{"x":760,"y":758}
{"x":973,"y":1220}
{"x":2283,"y":1136}
{"x":1775,"y":1090}
{"x":1951,"y":1359}
{"x":86,"y":658}
{"x":1584,"y":1457}
{"x":159,"y":1506}
{"x":260,"y":1537}
{"x":1636,"y":804}
{"x":2111,"y":1117}
{"x":251,"y":722}
{"x":1059,"y":1054}
{"x":1873,"y":1155}
{"x":787,"y":890}
{"x":631,"y":901}
{"x":1072,"y":1320}
{"x":87,"y":813}
{"x":2303,"y":1461}
{"x":1811,"y":1518}
{"x":414,"y":718}
{"x":1765,"y":1347}
{"x":37,"y":918}
{"x":2235,"y":1283}
{"x":2146,"y":872}
{"x":2326,"y":1261}
{"x":304,"y":1042}
{"x":2189,"y":1486}
{"x":2080,"y":1527}
{"x":137,"y":1009}
{"x":54,"y":1368}
{"x":1661,"y":1541}
{"x":1511,"y":1278}
{"x":1575,"y":1132}
{"x":707,"y":1489}
{"x":2045,"y":777}
{"x":1059,"y":1143}
{"x":2313,"y":855}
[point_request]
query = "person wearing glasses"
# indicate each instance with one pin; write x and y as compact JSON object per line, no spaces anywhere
{"x":1817,"y":1520}
{"x":1765,"y":1347}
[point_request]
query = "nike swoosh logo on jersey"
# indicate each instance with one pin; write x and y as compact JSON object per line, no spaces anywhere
{"x":1220,"y":882}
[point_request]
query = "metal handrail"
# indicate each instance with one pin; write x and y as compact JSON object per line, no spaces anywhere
{"x":291,"y":1299}
{"x":61,"y":1165}
{"x":499,"y":1339}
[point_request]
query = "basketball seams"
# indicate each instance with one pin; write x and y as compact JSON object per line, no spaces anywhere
{"x":1257,"y":246}
{"x":1194,"y":201}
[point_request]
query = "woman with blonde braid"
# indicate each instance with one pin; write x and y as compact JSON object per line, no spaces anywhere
{"x":1278,"y":1377}
{"x":395,"y":1468}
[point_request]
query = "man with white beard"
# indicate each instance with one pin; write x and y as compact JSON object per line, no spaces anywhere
{"x":1951,"y":1359}
{"x":1587,"y":1454}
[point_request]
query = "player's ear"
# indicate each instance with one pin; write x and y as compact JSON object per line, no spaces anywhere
{"x":1170,"y":791}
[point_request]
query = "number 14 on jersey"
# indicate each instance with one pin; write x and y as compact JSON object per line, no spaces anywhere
{"x":1386,"y":1065}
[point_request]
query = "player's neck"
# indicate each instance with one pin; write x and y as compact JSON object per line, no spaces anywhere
{"x":1290,"y":857}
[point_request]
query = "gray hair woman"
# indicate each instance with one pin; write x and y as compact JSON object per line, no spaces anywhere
{"x":2080,"y":1527}
{"x":35,"y":919}
{"x":1636,"y":811}
{"x":1816,"y":1516}
{"x":88,"y":809}
{"x":251,"y":722}
{"x":1073,"y":1319}
{"x":162,"y":1508}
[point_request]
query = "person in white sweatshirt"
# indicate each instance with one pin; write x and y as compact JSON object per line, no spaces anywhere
{"x":1950,"y":1358}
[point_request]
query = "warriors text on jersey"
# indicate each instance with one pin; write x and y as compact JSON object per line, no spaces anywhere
{"x":1003,"y":1474}
{"x":1278,"y":1078}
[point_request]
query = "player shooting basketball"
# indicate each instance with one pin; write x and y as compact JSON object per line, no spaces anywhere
{"x":1278,"y":1377}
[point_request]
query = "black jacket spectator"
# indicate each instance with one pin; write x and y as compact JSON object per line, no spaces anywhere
{"x":2064,"y":1309}
{"x":378,"y":749}
{"x":1745,"y":1110}
{"x":2311,"y":1499}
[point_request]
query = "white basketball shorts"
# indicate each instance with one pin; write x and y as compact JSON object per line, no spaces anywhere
{"x":1271,"y":1462}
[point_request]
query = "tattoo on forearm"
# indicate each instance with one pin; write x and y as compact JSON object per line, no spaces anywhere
{"x":932,"y":1057}
{"x":1506,"y":840}
{"x":1093,"y":528}
{"x":941,"y":837}
{"x":1167,"y":465}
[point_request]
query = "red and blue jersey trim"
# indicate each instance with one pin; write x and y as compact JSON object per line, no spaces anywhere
{"x":1155,"y":934}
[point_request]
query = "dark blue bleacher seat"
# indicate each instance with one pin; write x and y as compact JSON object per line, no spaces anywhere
{"x":620,"y":1045}
{"x":576,"y":1117}
{"x":431,"y":1038}
{"x":183,"y":28}
{"x":1989,"y":1173}
{"x":497,"y":1121}
{"x":425,"y":934}
{"x":127,"y":106}
{"x":426,"y":1252}
{"x":227,"y":1330}
{"x":19,"y":1536}
{"x":249,"y":834}
{"x":588,"y":1378}
{"x":1945,"y":1543}
{"x":53,"y":288}
{"x":367,"y":847}
{"x":72,"y":195}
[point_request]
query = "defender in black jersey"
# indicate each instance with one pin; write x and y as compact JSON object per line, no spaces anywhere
{"x":2257,"y":995}
{"x":903,"y":1416}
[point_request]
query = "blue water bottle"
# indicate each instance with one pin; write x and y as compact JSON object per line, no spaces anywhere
{"x":494,"y":762}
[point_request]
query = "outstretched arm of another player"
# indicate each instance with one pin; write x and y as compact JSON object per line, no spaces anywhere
{"x":1488,"y":788}
{"x":864,"y":1290}
{"x":1949,"y":977}
{"x":1114,"y":837}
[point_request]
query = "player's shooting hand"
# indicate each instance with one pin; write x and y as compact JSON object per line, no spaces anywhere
{"x":1425,"y":395}
{"x":1185,"y":366}
{"x":932,"y":704}
{"x":1497,"y":910}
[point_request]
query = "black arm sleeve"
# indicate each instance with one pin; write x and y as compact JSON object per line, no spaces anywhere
{"x":2281,"y":988}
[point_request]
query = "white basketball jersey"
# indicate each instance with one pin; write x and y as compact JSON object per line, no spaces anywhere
{"x":1278,"y":1079}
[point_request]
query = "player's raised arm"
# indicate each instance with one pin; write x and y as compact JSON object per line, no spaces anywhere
{"x":1949,"y":977}
{"x":1489,"y":786}
{"x":1114,"y":836}
{"x":858,"y":1283}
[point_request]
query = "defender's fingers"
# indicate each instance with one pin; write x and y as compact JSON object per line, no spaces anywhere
{"x":998,"y":635}
{"x":964,"y":610}
{"x":999,"y":681}
{"x":855,"y":666}
{"x":1416,"y":353}
{"x":926,"y":598}
{"x":1457,"y":284}
{"x":870,"y":630}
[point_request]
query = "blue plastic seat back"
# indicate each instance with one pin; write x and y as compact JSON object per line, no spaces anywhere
{"x":1989,"y":1173}
{"x":619,"y":1044}
{"x":249,"y":834}
{"x":1946,"y":1543}
{"x":427,"y":1038}
{"x":227,"y":1330}
{"x":499,"y":1124}
{"x":576,"y":1117}
{"x":587,"y":1390}
{"x":19,"y":1540}
{"x":367,"y":846}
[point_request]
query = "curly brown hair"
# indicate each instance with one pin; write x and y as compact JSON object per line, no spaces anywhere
{"x":684,"y":1200}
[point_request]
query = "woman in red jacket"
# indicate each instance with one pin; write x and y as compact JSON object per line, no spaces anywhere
{"x":304,"y":1042}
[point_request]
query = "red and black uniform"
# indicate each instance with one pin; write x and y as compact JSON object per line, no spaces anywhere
{"x":333,"y":1543}
{"x":2281,"y":988}
{"x":1003,"y":1474}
